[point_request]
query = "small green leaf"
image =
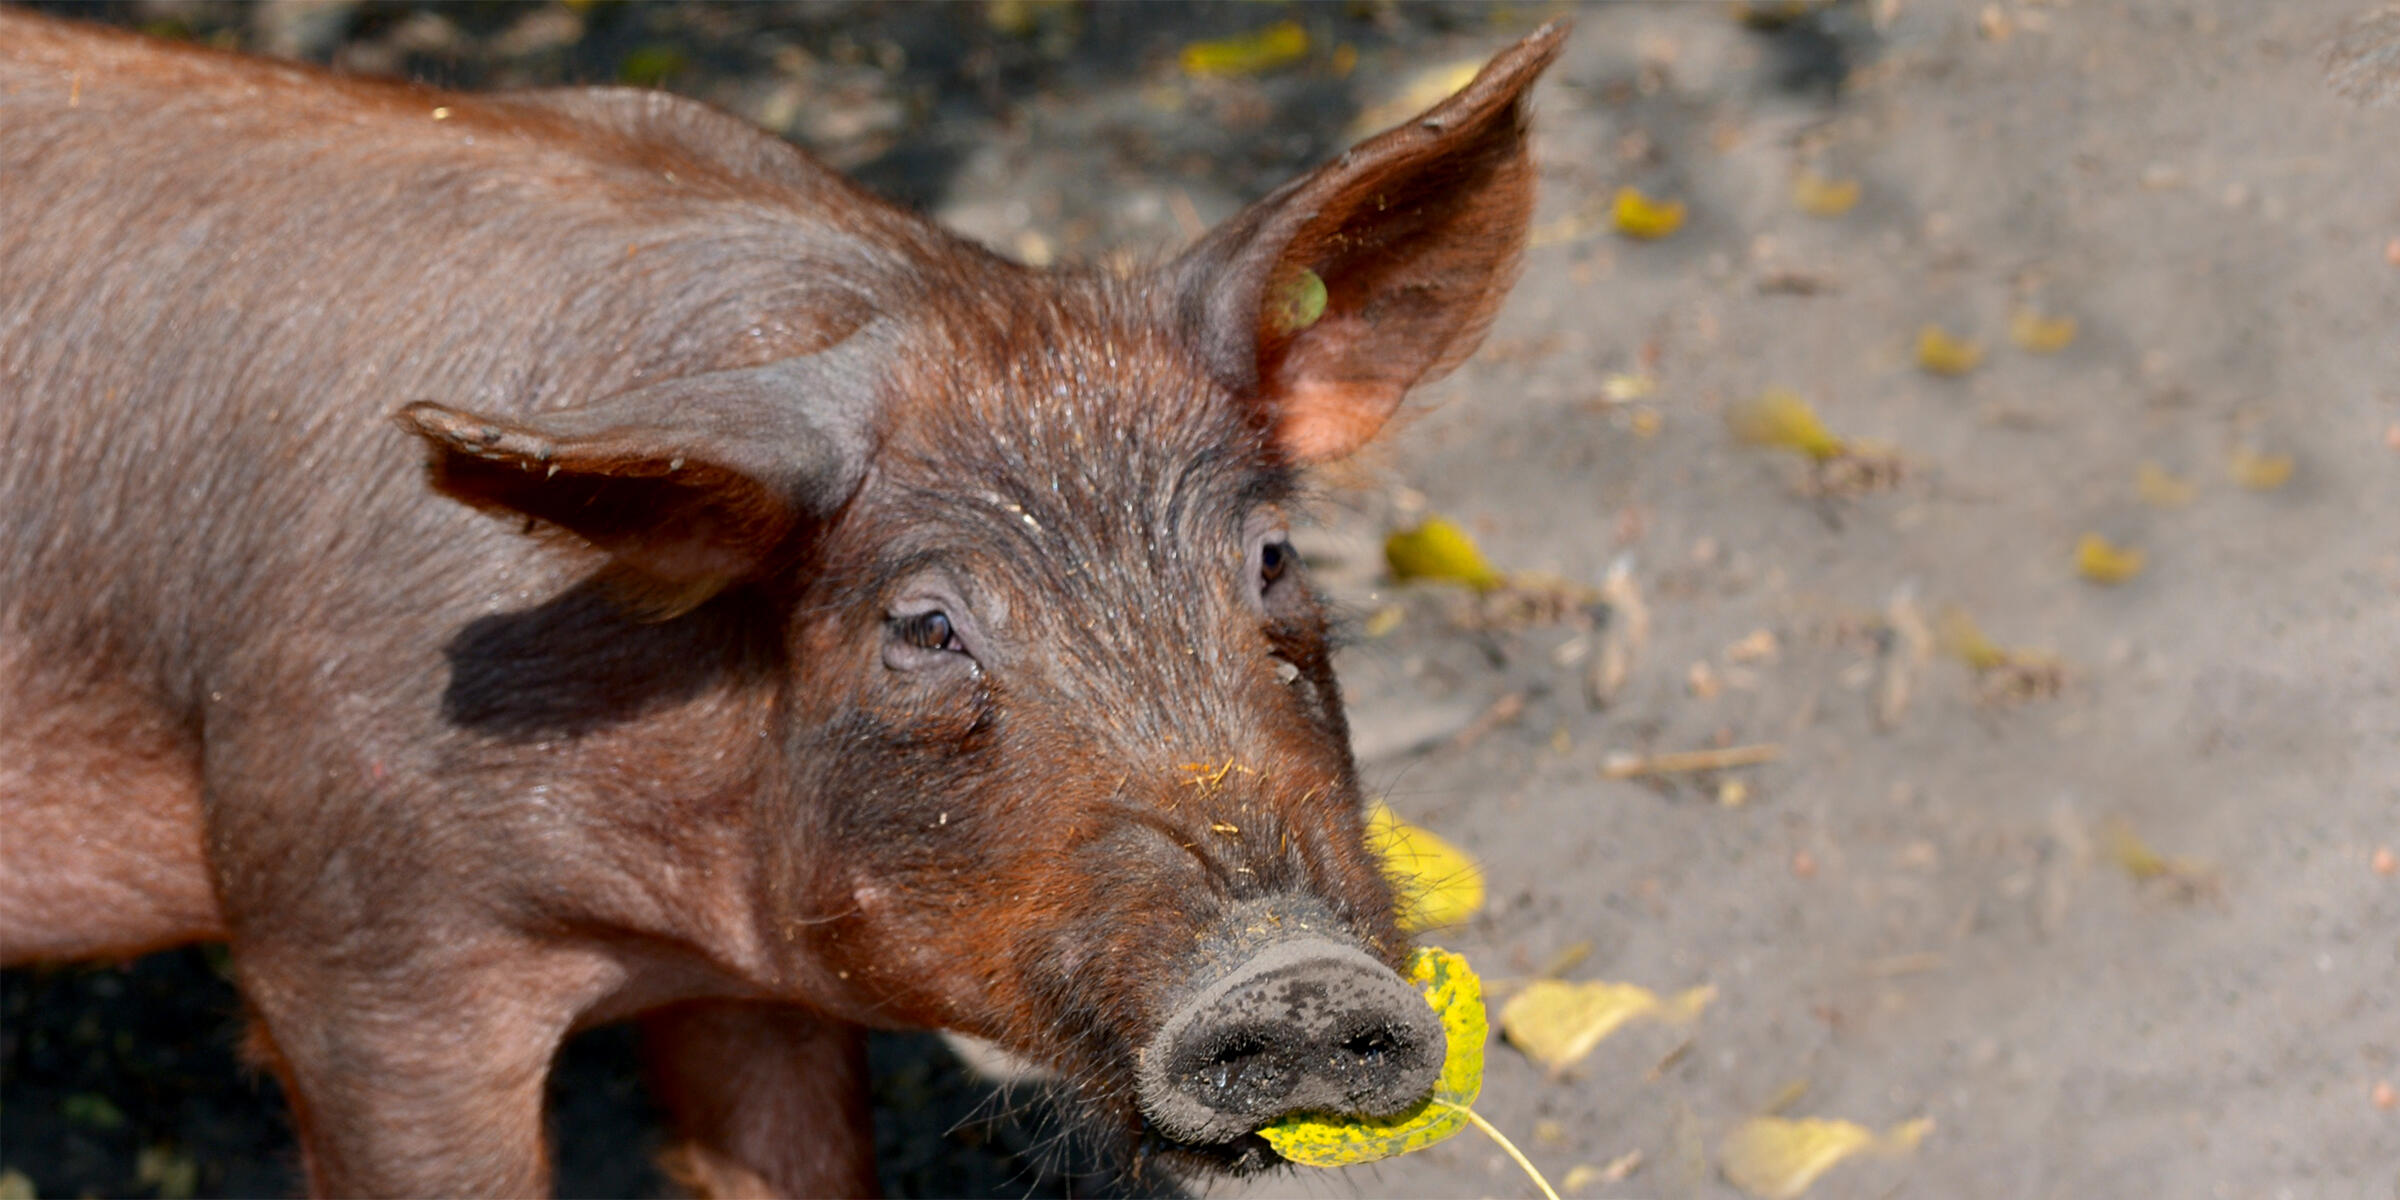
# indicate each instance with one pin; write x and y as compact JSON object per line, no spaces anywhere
{"x":1299,"y":303}
{"x":92,"y":1110}
{"x":651,"y":66}
{"x":1450,"y":986}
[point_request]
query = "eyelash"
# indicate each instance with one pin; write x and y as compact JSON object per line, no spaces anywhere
{"x":927,"y":631}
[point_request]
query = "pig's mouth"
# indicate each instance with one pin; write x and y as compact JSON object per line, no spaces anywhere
{"x":1248,"y":1154}
{"x":1295,"y":1022}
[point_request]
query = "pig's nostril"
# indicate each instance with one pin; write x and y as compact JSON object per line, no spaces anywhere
{"x":1248,"y":1069}
{"x":1368,"y":1049}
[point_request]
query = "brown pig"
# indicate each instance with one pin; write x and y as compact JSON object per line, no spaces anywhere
{"x":510,"y":563}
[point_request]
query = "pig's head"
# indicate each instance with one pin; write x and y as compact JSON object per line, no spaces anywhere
{"x":1061,"y":761}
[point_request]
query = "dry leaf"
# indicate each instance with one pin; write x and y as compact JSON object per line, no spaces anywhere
{"x":1556,"y":1024}
{"x":1777,"y":1159}
{"x":1623,"y":387}
{"x":2002,"y":676}
{"x":2102,"y":561}
{"x":2039,"y":334}
{"x":1639,"y":216}
{"x":1437,"y":883}
{"x":1438,"y":550}
{"x":1781,"y":418}
{"x":2158,"y":489}
{"x":2189,"y":878}
{"x":1942,"y":354}
{"x":1628,"y":631}
{"x":2257,"y":471}
{"x":1819,"y":196}
{"x":1278,"y":45}
{"x":1584,"y":1175}
{"x":1961,"y":638}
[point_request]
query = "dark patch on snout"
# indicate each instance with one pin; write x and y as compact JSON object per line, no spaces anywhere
{"x":1304,"y":1025}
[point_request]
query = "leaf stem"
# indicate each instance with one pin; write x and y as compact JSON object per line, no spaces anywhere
{"x":1477,"y":1120}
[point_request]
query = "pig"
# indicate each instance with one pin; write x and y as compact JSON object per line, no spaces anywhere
{"x":504,"y":564}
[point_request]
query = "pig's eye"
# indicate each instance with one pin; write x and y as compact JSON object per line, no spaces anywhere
{"x":1274,"y":559}
{"x":928,"y":631}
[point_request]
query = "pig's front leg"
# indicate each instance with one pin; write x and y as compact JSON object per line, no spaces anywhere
{"x":418,"y":1074}
{"x":765,"y":1100}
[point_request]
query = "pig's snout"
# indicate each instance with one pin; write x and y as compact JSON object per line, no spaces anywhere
{"x":1305,"y":1025}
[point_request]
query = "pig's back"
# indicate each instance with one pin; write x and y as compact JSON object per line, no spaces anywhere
{"x":224,"y":275}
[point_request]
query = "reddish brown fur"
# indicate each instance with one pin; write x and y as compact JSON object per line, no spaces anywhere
{"x":450,"y":794}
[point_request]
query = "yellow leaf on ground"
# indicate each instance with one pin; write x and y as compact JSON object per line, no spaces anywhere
{"x":1450,"y":986}
{"x":1942,"y":354}
{"x":1621,"y":388}
{"x":2158,"y":489}
{"x":1639,"y":216}
{"x":2259,"y":472}
{"x":2102,"y":561}
{"x":2131,"y":853}
{"x":1777,"y":1159}
{"x":2038,"y":334}
{"x":1556,"y":1023}
{"x":1278,"y":45}
{"x":1437,"y":884}
{"x":1781,"y":418}
{"x":1819,"y":196}
{"x":1439,"y":550}
{"x":1961,"y":638}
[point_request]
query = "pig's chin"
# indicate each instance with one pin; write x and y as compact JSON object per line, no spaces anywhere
{"x":1120,"y":1130}
{"x":1248,"y":1154}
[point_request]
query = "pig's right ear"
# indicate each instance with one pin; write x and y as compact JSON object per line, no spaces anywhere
{"x":690,"y":484}
{"x":1326,"y":301}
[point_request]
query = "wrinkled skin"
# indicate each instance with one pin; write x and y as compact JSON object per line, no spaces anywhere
{"x":905,"y":638}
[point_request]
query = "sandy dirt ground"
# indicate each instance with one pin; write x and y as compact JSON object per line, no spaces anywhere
{"x":2113,"y":905}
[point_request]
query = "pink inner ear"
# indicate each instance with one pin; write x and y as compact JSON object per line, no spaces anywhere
{"x":1324,"y":419}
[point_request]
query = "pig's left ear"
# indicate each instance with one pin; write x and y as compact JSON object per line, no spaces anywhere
{"x":1327,"y":300}
{"x":690,"y":484}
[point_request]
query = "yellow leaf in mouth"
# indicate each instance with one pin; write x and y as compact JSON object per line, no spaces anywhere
{"x":1781,"y":418}
{"x":1777,"y":1159}
{"x":1437,"y":884}
{"x":1439,"y":550}
{"x":1557,"y":1023}
{"x":1324,"y":1140}
{"x":1943,"y":354}
{"x":2101,"y":561}
{"x":1639,"y":216}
